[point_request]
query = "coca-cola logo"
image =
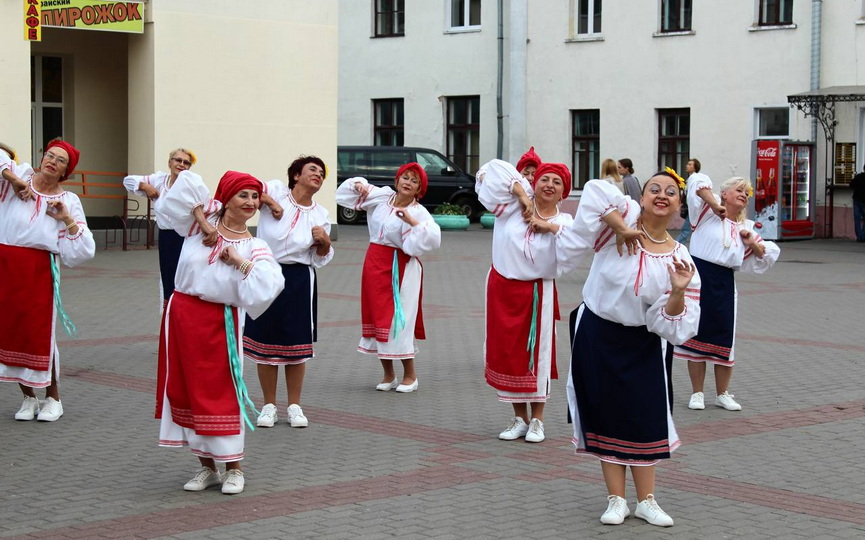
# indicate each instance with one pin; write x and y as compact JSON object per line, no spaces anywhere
{"x":767,"y":152}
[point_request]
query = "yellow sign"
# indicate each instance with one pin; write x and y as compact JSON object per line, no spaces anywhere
{"x":92,"y":15}
{"x":32,"y":18}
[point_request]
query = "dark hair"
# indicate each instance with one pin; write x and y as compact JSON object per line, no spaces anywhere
{"x":297,"y":165}
{"x":628,"y":164}
{"x":696,"y":164}
{"x":668,"y":175}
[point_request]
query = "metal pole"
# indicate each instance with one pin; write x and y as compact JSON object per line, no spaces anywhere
{"x":499,"y":82}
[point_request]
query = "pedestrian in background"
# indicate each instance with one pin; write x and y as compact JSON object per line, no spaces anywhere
{"x":521,"y":299}
{"x":632,"y":185}
{"x":858,"y":185}
{"x":610,"y":173}
{"x":400,"y":231}
{"x":298,"y":232}
{"x":684,"y":237}
{"x":39,"y":221}
{"x":528,"y":164}
{"x":724,"y":242}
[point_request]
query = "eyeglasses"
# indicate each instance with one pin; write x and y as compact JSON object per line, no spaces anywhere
{"x":55,"y":158}
{"x":183,"y":161}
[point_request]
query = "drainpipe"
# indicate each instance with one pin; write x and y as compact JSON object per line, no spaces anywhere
{"x":500,"y":113}
{"x":816,"y":42}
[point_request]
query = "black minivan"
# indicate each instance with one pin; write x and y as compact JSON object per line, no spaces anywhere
{"x":378,"y":164}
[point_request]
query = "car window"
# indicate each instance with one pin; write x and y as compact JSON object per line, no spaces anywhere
{"x":433,"y":164}
{"x":387,"y":163}
{"x":353,"y":163}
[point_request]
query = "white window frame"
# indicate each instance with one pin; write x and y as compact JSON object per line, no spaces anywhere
{"x":573,"y":22}
{"x":466,"y":12}
{"x":757,"y":27}
{"x":759,"y":110}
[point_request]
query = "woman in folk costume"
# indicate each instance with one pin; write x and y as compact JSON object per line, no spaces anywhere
{"x":632,"y":303}
{"x":298,"y":232}
{"x":400,"y":231}
{"x":39,"y":220}
{"x":521,"y":300}
{"x":154,"y":187}
{"x":722,"y":242}
{"x":200,"y":397}
{"x":528,"y":164}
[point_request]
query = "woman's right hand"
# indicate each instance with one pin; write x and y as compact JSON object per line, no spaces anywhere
{"x":719,"y":210}
{"x":362,"y":189}
{"x":630,"y":238}
{"x":149,"y":191}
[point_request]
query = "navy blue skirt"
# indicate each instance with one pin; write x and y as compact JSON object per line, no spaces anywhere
{"x":717,"y":312}
{"x":620,"y":387}
{"x":170,"y":244}
{"x":284,"y":334}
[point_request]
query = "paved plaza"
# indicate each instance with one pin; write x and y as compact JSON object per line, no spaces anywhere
{"x":429,"y":464}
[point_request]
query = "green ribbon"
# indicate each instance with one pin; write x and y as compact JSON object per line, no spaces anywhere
{"x":243,"y":400}
{"x":530,"y":346}
{"x":398,"y":313}
{"x":70,"y":329}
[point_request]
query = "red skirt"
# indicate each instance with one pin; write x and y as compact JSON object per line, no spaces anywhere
{"x":509,"y":365}
{"x":376,"y":294}
{"x":194,"y":371}
{"x":27,"y":316}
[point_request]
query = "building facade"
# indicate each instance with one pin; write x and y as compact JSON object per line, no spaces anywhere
{"x":657,"y":81}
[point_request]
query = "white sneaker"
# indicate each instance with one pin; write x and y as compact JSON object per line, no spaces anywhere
{"x":651,"y":512}
{"x":517,"y":429}
{"x":268,"y":416}
{"x":726,"y":400}
{"x":233,"y":483}
{"x":50,"y":410}
{"x":296,"y":417}
{"x":203,"y":479}
{"x":29,"y":409}
{"x":696,"y":402}
{"x":616,"y":512}
{"x":536,"y":431}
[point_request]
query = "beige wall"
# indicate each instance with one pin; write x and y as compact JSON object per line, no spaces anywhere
{"x":248,"y":86}
{"x":15,"y":70}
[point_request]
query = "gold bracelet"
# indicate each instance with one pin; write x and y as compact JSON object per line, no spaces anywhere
{"x":245,"y":266}
{"x":73,"y":224}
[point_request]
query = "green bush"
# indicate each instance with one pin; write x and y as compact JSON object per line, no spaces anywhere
{"x":448,"y":209}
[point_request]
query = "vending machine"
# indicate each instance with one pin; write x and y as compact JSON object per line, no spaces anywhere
{"x":783,"y":203}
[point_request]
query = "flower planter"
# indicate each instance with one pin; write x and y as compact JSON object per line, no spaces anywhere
{"x":451,"y":223}
{"x":488,"y":220}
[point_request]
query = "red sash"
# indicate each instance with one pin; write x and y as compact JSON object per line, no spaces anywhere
{"x":199,"y":386}
{"x":509,"y":319}
{"x":27,"y":314}
{"x":376,"y":294}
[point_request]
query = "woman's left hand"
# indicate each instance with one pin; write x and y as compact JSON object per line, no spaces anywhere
{"x":230,"y":256}
{"x":539,"y":225}
{"x":681,"y":272}
{"x":57,"y":210}
{"x":404,"y":215}
{"x":748,"y":238}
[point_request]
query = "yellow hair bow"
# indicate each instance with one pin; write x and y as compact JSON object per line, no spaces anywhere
{"x":192,"y":157}
{"x":679,"y":179}
{"x":750,"y":191}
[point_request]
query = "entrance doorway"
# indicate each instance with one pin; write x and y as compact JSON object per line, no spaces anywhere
{"x":46,"y":97}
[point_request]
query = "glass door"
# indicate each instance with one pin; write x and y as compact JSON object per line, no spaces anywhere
{"x":802,"y":204}
{"x":46,"y":96}
{"x":787,"y":183}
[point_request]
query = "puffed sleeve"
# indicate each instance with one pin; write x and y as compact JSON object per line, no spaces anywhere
{"x":277,"y":189}
{"x":754,"y":265}
{"x":263,"y":283}
{"x":424,"y":237}
{"x":317,"y":261}
{"x":347,"y":196}
{"x":5,"y":163}
{"x":494,"y":183}
{"x":133,"y":182}
{"x":20,"y":171}
{"x":80,"y":247}
{"x":187,"y":192}
{"x":677,"y":329}
{"x":697,"y":182}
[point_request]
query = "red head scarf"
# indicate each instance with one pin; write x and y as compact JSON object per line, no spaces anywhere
{"x":233,"y":182}
{"x":74,"y":156}
{"x":529,"y":158}
{"x":556,"y":168}
{"x":421,"y":176}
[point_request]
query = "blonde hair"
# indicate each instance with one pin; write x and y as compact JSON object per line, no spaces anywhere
{"x":189,"y":153}
{"x":608,"y":168}
{"x":8,"y":149}
{"x":733,"y":183}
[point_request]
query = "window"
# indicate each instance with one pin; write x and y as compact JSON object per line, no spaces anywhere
{"x":674,"y":138}
{"x":465,"y":13}
{"x":776,"y":12}
{"x":675,"y":16}
{"x":388,"y":122}
{"x":774,"y":122}
{"x":588,"y":16}
{"x":463,"y":129}
{"x":585,"y":146}
{"x":845,"y":162}
{"x":46,"y":96}
{"x":389,"y":18}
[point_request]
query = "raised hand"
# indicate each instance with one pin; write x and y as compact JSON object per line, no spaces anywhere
{"x":229,"y":256}
{"x":681,"y":272}
{"x":57,"y":210}
{"x":404,"y":215}
{"x":149,"y":191}
{"x":209,"y":233}
{"x":630,"y":238}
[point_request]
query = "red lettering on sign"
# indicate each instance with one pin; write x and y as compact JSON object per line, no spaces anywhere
{"x":32,"y":22}
{"x":33,"y":2}
{"x":32,"y":34}
{"x":32,"y":11}
{"x":132,"y":13}
{"x":104,"y":14}
{"x":88,"y":15}
{"x":74,"y":14}
{"x":119,"y":12}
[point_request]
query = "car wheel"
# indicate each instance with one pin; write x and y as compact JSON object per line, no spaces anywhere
{"x":467,"y":205}
{"x":348,"y":216}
